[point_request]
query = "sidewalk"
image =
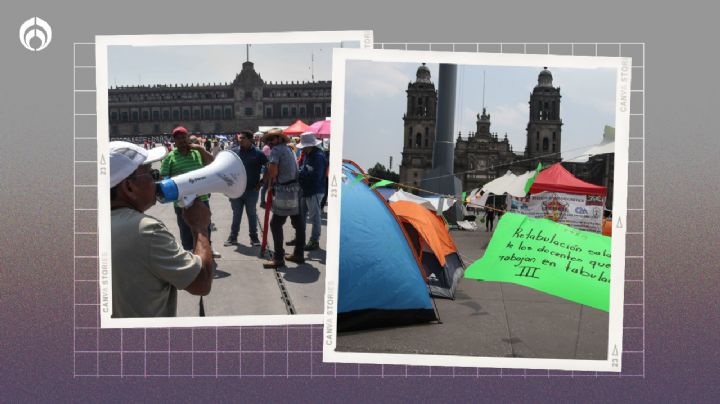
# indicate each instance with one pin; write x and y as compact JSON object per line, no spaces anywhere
{"x":241,"y":285}
{"x":493,"y":319}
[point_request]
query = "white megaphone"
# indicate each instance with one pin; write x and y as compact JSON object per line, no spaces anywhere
{"x":226,"y":174}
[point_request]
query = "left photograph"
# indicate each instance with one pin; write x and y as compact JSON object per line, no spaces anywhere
{"x":213,"y":162}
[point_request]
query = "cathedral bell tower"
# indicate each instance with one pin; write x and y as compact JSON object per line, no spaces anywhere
{"x":419,"y":128}
{"x":544,"y":126}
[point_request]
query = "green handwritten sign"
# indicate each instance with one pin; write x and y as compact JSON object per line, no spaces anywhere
{"x":549,"y":257}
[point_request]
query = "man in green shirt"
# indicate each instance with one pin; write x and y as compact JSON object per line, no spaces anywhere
{"x":184,"y":158}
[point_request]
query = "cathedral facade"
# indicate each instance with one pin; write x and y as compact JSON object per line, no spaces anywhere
{"x":480,"y":156}
{"x":247,"y":103}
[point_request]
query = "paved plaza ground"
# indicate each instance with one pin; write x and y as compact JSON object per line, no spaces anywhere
{"x":493,"y":319}
{"x":241,"y":285}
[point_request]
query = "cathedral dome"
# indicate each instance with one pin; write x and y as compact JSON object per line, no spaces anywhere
{"x":423,"y":74}
{"x":545,"y":78}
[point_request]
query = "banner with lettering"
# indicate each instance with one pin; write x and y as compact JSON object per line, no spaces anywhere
{"x":583,"y":212}
{"x":549,"y":257}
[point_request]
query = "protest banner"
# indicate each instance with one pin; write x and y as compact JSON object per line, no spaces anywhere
{"x":583,"y":212}
{"x":549,"y":257}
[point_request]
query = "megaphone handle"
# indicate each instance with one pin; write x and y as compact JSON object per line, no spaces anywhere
{"x":268,"y":205}
{"x":186,"y":201}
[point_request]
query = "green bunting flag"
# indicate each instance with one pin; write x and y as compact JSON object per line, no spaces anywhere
{"x":530,"y":181}
{"x":381,"y":183}
{"x":464,"y":194}
{"x":549,"y":257}
{"x":358,"y":178}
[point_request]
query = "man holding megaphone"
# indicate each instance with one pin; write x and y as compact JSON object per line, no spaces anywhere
{"x":148,"y":266}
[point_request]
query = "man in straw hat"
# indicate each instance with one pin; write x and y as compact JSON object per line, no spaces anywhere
{"x":282,"y":176}
{"x":148,"y":265}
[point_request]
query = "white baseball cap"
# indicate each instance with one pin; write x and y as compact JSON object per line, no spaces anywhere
{"x":126,"y":157}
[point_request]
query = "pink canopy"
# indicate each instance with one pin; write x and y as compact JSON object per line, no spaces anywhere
{"x":297,"y":128}
{"x":321,"y":129}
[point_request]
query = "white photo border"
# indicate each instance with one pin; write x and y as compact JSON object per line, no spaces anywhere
{"x":623,"y":65}
{"x":102,"y":42}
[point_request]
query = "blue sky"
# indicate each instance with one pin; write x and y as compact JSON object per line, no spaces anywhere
{"x":128,"y":65}
{"x":375,"y":101}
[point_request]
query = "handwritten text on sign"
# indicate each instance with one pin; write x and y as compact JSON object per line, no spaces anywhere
{"x":549,"y":257}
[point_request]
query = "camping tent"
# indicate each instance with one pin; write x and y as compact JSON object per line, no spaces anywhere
{"x":557,"y":179}
{"x":381,"y":282}
{"x":431,"y":243}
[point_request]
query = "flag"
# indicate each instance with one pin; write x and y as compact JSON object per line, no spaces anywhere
{"x":530,"y":181}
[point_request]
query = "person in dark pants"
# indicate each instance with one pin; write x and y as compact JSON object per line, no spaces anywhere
{"x":312,"y":174}
{"x":253,"y":160}
{"x":282,"y":179}
{"x":489,"y":219}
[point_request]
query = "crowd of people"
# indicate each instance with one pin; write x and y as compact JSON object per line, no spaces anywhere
{"x":287,"y":176}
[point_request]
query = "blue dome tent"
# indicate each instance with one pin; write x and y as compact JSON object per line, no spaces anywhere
{"x":381,"y":282}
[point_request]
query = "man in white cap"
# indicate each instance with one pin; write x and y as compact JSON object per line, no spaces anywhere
{"x":312,"y":173}
{"x":148,"y":265}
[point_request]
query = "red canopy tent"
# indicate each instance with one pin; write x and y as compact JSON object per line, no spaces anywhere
{"x":297,"y":128}
{"x":557,"y":179}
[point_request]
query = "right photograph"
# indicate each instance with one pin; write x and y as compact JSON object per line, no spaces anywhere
{"x":480,"y":202}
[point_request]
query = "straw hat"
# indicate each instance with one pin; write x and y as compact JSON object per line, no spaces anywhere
{"x":275,"y":132}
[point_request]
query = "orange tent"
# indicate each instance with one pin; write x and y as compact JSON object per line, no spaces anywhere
{"x":432,"y":243}
{"x":297,"y":128}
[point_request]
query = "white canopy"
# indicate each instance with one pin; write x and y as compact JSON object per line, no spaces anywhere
{"x":431,"y":203}
{"x":509,"y":183}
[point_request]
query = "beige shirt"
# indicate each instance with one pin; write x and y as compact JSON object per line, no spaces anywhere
{"x":148,"y":266}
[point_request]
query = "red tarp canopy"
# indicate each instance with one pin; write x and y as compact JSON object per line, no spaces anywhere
{"x":297,"y":128}
{"x":557,"y":179}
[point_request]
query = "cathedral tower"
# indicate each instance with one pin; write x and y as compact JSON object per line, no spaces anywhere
{"x":419,"y":128}
{"x":544,"y":125}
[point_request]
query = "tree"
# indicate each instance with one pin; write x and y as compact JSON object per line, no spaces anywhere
{"x":379,"y":171}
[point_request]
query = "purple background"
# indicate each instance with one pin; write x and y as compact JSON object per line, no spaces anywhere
{"x":36,"y":177}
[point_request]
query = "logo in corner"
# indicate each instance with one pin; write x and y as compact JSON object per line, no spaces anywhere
{"x":35,"y":34}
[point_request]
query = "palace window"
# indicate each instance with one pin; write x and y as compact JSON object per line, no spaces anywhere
{"x":196,"y":114}
{"x":418,"y":140}
{"x":186,"y":114}
{"x":166,"y":115}
{"x":228,"y":113}
{"x":113,"y":116}
{"x":218,"y":113}
{"x":302,"y":111}
{"x":176,"y":115}
{"x":545,"y":144}
{"x":248,"y":111}
{"x":156,"y":115}
{"x":207,"y":114}
{"x":318,"y":111}
{"x":293,"y":112}
{"x":145,"y":115}
{"x":135,"y":116}
{"x":268,"y":112}
{"x":124,"y":116}
{"x":284,"y":112}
